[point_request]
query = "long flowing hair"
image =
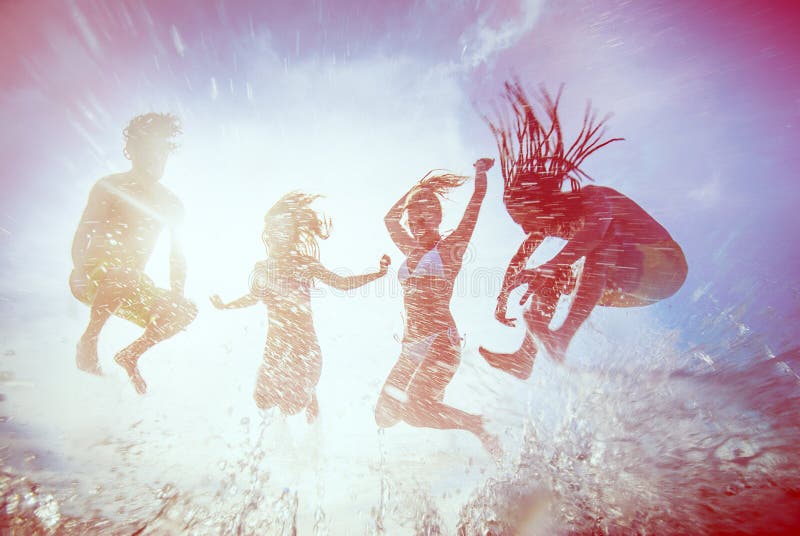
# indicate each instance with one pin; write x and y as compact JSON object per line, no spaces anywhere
{"x":535,"y":161}
{"x":435,"y":185}
{"x":438,"y":182}
{"x":308,"y":225}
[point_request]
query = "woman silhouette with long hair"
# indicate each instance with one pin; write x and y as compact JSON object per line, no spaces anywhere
{"x":629,"y":258}
{"x":431,"y":349}
{"x":288,"y":375}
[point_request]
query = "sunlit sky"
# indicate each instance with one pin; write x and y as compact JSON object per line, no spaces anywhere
{"x":357,"y":100}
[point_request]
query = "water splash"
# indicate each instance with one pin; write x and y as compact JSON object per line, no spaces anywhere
{"x":638,"y":451}
{"x":635,"y":450}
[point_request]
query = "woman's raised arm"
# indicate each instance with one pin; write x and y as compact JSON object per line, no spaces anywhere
{"x":399,"y":235}
{"x":458,"y":239}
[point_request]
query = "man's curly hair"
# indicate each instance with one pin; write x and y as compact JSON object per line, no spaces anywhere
{"x":151,"y":126}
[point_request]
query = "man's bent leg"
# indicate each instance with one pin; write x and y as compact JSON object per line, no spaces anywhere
{"x":104,"y":297}
{"x":170,"y":314}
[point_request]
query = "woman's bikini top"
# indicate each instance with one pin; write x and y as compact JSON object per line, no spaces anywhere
{"x":429,"y":265}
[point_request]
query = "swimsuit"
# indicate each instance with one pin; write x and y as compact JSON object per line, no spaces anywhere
{"x":136,"y":308}
{"x":437,"y":369}
{"x":429,"y":265}
{"x":416,"y":350}
{"x":663,"y":271}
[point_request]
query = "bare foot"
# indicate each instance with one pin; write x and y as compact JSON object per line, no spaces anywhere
{"x":128,"y":362}
{"x":490,"y":443}
{"x":86,"y":357}
{"x":492,"y":446}
{"x":554,"y":344}
{"x":519,"y":364}
{"x":312,"y":410}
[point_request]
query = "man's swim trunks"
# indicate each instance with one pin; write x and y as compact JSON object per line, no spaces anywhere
{"x":137,"y":308}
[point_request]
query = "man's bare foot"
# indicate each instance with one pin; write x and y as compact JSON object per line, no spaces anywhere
{"x":86,"y":357}
{"x":128,"y":362}
{"x":312,"y":410}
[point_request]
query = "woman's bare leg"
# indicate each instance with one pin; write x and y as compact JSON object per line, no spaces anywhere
{"x":388,"y":410}
{"x":312,"y":410}
{"x":426,"y":390}
{"x":410,"y":392}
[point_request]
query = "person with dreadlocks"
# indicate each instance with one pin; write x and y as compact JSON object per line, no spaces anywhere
{"x":629,"y":259}
{"x":288,"y":375}
{"x":115,"y":238}
{"x":431,"y":347}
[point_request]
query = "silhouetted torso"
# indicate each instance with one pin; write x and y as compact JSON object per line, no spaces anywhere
{"x":427,"y":297}
{"x":287,"y":293}
{"x":126,"y":220}
{"x":630,"y":224}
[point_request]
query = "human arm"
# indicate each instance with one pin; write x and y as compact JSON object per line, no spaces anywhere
{"x":177,"y":259}
{"x":177,"y":264}
{"x":332,"y":279}
{"x":462,"y":234}
{"x":94,"y":215}
{"x":399,"y":235}
{"x":597,"y":216}
{"x":259,"y":282}
{"x":245,"y":301}
{"x":511,"y":279}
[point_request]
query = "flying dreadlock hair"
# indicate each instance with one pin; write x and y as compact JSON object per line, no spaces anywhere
{"x":308,"y":225}
{"x":150,"y":126}
{"x":534,"y":160}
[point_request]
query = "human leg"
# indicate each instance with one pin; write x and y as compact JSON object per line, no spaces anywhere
{"x":388,"y":409}
{"x":425,"y":407}
{"x":519,"y":364}
{"x":590,"y":289}
{"x":104,"y":291}
{"x":168,"y":314}
{"x":312,"y":410}
{"x":646,"y":274}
